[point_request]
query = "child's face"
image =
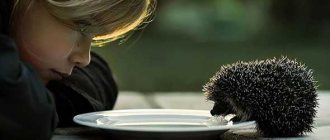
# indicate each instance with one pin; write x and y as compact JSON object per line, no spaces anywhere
{"x":49,"y":46}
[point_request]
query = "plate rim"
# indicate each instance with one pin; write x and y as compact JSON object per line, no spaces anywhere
{"x":77,"y":119}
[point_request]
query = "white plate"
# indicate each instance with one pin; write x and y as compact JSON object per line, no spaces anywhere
{"x":156,"y":123}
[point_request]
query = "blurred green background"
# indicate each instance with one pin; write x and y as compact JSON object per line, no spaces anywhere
{"x":189,"y":40}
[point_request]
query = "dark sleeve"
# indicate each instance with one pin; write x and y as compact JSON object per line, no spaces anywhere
{"x":27,"y":110}
{"x":5,"y":10}
{"x":88,"y":89}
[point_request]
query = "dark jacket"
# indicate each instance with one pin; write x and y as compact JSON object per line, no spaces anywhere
{"x":27,"y":109}
{"x":88,"y":89}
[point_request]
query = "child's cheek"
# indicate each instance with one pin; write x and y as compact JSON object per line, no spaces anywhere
{"x":51,"y":48}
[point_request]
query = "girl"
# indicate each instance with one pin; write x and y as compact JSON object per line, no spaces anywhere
{"x":42,"y":41}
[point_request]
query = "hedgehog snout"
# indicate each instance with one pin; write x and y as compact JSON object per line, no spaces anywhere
{"x":221,"y":108}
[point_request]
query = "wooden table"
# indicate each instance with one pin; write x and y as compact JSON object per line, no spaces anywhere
{"x":190,"y":100}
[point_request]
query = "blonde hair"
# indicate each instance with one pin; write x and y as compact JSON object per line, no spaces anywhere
{"x":107,"y":19}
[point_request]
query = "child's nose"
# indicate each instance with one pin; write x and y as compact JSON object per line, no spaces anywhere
{"x":80,"y":55}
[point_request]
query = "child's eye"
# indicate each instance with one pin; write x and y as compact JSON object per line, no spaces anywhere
{"x":82,"y":28}
{"x":83,"y":34}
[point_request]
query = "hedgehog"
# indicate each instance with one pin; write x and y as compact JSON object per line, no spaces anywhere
{"x":279,"y":94}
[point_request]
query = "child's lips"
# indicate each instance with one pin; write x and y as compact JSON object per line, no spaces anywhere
{"x":58,"y":75}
